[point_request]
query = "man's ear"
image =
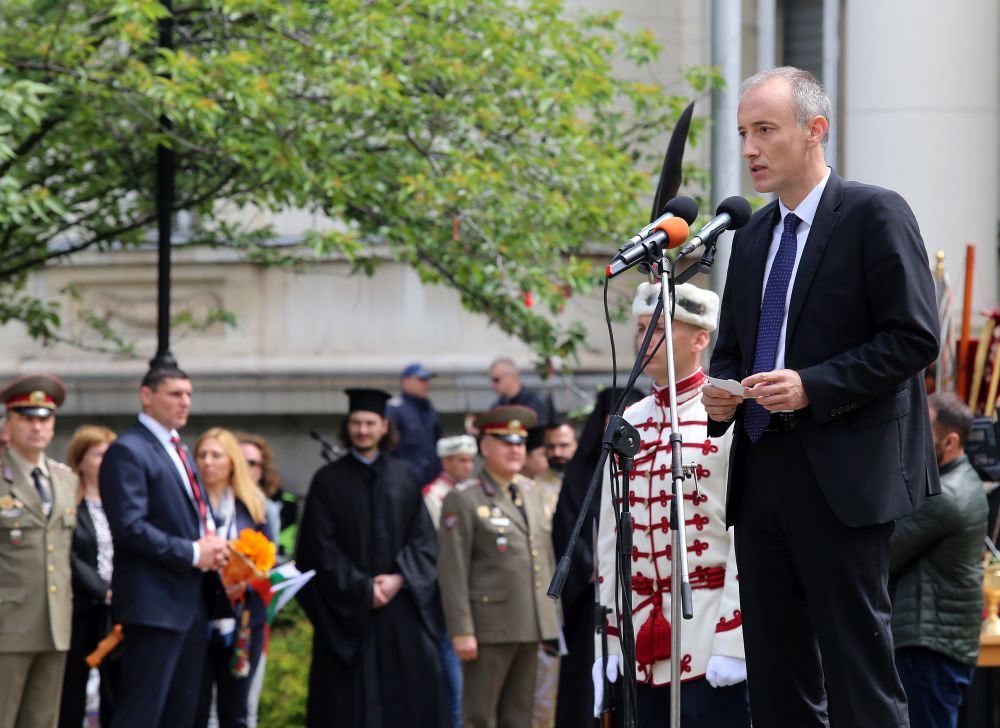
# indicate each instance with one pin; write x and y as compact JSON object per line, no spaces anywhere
{"x":818,"y":128}
{"x":701,"y":341}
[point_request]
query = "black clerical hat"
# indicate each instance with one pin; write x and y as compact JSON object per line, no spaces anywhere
{"x":367,"y":400}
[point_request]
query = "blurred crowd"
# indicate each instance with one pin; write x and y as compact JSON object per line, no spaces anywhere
{"x":432,"y":551}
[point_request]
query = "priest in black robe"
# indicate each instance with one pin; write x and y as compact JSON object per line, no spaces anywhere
{"x":373,"y":602}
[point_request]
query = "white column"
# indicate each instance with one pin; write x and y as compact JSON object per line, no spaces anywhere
{"x":767,"y":34}
{"x":727,"y":34}
{"x":831,"y":73}
{"x":922,"y":117}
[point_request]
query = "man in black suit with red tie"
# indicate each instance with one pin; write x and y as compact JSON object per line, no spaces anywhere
{"x":166,"y":558}
{"x":829,"y":318}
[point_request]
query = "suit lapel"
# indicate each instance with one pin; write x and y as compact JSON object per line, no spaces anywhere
{"x":827,"y":214}
{"x":753,"y":292}
{"x":21,"y":487}
{"x":167,"y":462}
{"x":506,"y":505}
{"x":85,"y":521}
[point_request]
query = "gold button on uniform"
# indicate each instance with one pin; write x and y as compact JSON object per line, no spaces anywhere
{"x":538,"y":585}
{"x":51,"y":548}
{"x":537,"y":567}
{"x":52,"y":588}
{"x":51,"y":568}
{"x":534,"y":552}
{"x":486,"y":598}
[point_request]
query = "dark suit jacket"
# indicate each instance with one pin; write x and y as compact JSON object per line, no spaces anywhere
{"x":153,"y":523}
{"x":89,"y":588}
{"x":862,"y":326}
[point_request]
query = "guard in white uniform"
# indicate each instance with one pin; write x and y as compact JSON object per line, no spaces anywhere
{"x":713,"y":669}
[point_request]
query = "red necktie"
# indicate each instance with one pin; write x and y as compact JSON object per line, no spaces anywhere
{"x":193,"y":483}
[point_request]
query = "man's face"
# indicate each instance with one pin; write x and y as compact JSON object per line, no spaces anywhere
{"x":504,"y":380}
{"x":458,"y":467}
{"x":560,"y":444}
{"x":688,"y":341}
{"x":775,"y":145}
{"x":169,"y":404}
{"x":416,"y":386}
{"x":255,"y":461}
{"x":501,"y":457}
{"x":535,"y":462}
{"x":657,"y":367}
{"x":940,"y":438}
{"x":30,"y":435}
{"x":365,"y":429}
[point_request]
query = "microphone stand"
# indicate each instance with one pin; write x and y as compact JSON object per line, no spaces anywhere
{"x":625,"y":440}
{"x":683,"y":606}
{"x":326,"y":448}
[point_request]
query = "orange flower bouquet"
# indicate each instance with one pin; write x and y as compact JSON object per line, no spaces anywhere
{"x":251,"y":556}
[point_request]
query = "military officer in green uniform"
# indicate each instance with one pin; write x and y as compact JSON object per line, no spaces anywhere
{"x":495,"y":562}
{"x":37,"y":518}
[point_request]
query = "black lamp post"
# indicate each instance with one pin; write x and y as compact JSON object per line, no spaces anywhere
{"x":164,"y":198}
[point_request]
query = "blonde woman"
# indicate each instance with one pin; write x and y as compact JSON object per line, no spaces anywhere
{"x":238,"y":504}
{"x":90,"y":561}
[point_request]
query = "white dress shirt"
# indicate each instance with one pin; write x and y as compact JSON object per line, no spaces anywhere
{"x":806,"y":212}
{"x":165,"y":436}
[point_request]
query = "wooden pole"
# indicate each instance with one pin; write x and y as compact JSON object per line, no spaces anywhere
{"x":963,"y":343}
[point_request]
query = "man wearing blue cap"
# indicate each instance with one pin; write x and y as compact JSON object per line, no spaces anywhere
{"x":417,"y":422}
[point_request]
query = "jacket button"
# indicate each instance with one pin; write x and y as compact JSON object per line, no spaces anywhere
{"x":486,"y":598}
{"x":537,"y":567}
{"x":53,"y":589}
{"x":538,"y":585}
{"x":51,"y":548}
{"x":534,"y":552}
{"x":51,"y":568}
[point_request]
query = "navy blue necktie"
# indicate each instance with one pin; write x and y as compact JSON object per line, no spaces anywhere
{"x":772,"y":315}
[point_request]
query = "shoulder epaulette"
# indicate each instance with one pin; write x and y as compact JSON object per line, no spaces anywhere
{"x":467,"y":485}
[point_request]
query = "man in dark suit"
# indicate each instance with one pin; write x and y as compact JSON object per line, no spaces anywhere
{"x":829,"y":319}
{"x":166,"y":557}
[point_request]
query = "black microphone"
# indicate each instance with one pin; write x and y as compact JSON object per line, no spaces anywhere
{"x":683,"y":207}
{"x":672,"y":232}
{"x":731,"y":214}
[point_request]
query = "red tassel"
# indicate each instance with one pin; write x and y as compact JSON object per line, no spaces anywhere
{"x":652,"y":644}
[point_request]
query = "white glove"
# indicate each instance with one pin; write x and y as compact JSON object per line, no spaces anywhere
{"x":595,"y":673}
{"x":723,"y":671}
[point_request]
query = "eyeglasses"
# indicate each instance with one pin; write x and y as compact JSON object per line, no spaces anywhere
{"x":254,"y":463}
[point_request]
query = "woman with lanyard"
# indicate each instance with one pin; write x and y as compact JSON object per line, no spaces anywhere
{"x":238,"y":504}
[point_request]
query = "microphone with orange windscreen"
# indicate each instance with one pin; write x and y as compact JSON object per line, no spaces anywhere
{"x":667,"y":234}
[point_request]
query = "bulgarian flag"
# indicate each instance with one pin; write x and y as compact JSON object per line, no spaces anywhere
{"x":280,"y":585}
